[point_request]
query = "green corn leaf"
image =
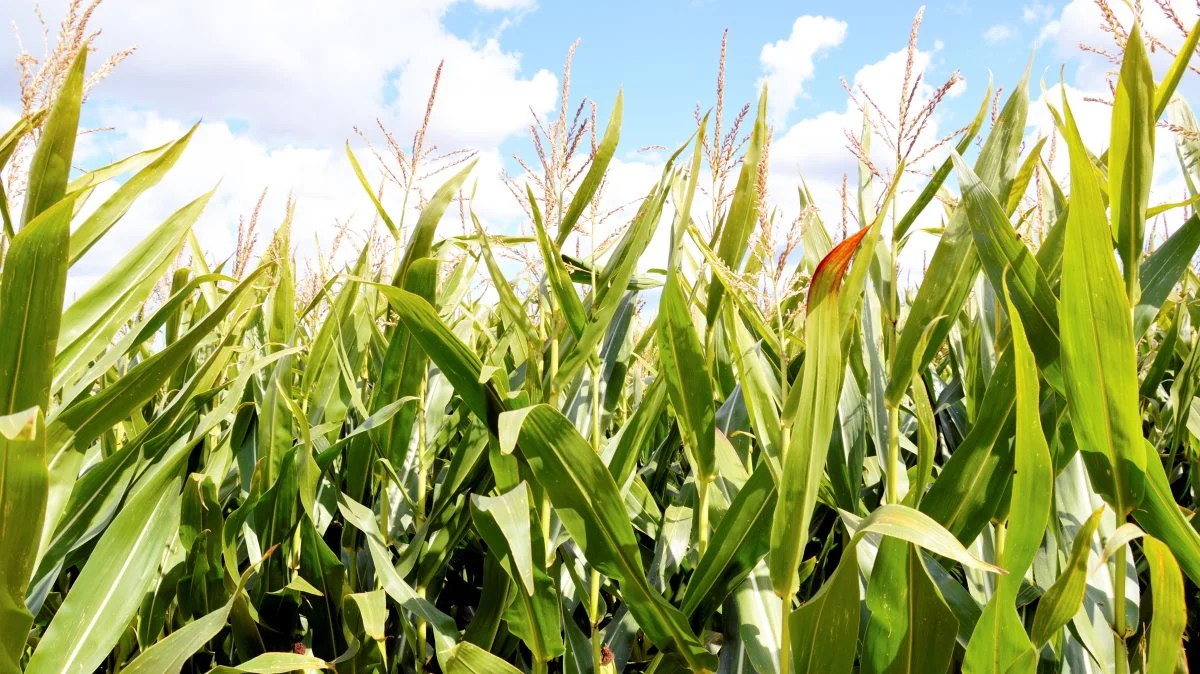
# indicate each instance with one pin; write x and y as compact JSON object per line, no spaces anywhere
{"x":1166,"y":88}
{"x":1063,"y":598}
{"x":467,"y":658}
{"x":956,"y":262}
{"x":1170,"y":612}
{"x":504,"y":523}
{"x":32,"y":285}
{"x":1099,"y":365}
{"x":589,"y":504}
{"x":911,"y":629}
{"x":98,"y":176}
{"x":109,"y":589}
{"x":1003,"y":255}
{"x":23,"y":482}
{"x":169,"y":655}
{"x":972,"y":482}
{"x":444,"y":629}
{"x":688,"y":382}
{"x":458,"y":362}
{"x":821,"y":380}
{"x":1162,"y":271}
{"x":1024,"y":175}
{"x":1131,"y":156}
{"x":611,"y":283}
{"x":557,"y":275}
{"x":1161,"y":517}
{"x":379,"y":209}
{"x":275,"y":663}
{"x":595,"y":173}
{"x":825,"y":628}
{"x":510,"y":305}
{"x":740,"y":220}
{"x":758,"y":394}
{"x":420,"y":243}
{"x":84,"y":421}
{"x":999,"y":642}
{"x":404,"y":366}
{"x":683,"y":214}
{"x":50,"y":168}
{"x":907,"y":524}
{"x":115,"y":207}
{"x":747,"y":310}
{"x":95,"y":317}
{"x":739,"y":542}
{"x":1033,"y":470}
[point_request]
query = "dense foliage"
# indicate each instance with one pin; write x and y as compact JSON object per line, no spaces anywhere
{"x":994,"y":473}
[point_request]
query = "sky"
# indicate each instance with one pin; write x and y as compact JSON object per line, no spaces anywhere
{"x":279,"y":87}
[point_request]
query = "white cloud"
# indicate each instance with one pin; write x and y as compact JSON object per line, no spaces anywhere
{"x":319,"y":178}
{"x":815,"y":149}
{"x":505,"y":4}
{"x":279,"y":92}
{"x":1081,"y":22}
{"x":1094,"y":119}
{"x":308,"y":74}
{"x":998,"y":33}
{"x":789,"y":63}
{"x":1037,"y":12}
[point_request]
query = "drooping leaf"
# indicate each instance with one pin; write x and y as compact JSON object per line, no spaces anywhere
{"x":1063,"y":598}
{"x":589,"y":504}
{"x":1170,"y":613}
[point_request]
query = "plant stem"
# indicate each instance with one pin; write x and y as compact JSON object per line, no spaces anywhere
{"x":785,"y":637}
{"x":552,"y":399}
{"x":893,"y":455}
{"x":595,"y":616}
{"x":595,"y":589}
{"x":1121,"y":655}
{"x":785,"y":439}
{"x":544,"y":515}
{"x":702,"y":486}
{"x":422,"y":469}
{"x":420,"y":636}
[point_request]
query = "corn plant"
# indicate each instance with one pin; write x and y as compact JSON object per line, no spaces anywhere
{"x":994,"y":472}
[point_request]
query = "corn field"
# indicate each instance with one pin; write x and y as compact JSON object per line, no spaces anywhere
{"x":639,"y":465}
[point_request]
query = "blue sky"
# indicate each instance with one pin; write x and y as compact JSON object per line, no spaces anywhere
{"x":664,"y":54}
{"x":280,"y":92}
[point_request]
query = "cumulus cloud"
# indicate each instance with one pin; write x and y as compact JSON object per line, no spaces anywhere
{"x":279,"y":92}
{"x":308,"y":74}
{"x":789,"y":63}
{"x":998,"y":33}
{"x":320,"y":180}
{"x":1094,"y":120}
{"x":1037,"y":12}
{"x":815,"y":149}
{"x":505,"y":4}
{"x":1082,"y":22}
